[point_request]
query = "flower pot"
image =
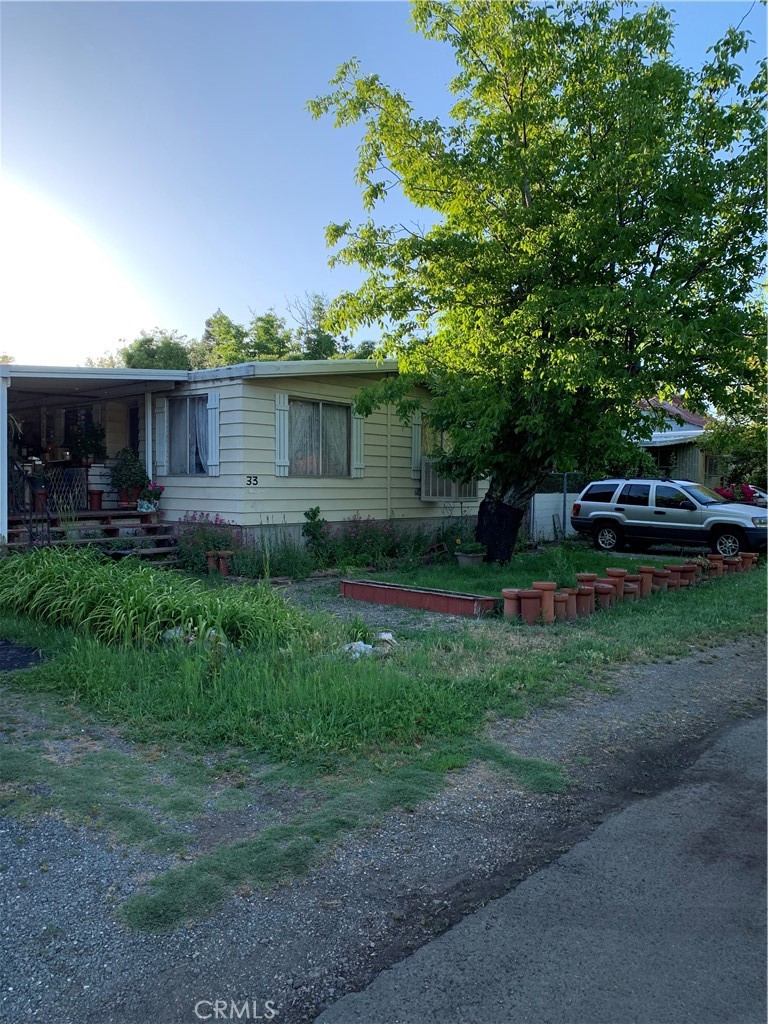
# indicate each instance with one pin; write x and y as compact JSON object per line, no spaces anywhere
{"x":571,"y":603}
{"x":95,"y":499}
{"x":646,"y":579}
{"x":674,"y":577}
{"x":547,"y":590}
{"x":746,"y":560}
{"x":585,"y":601}
{"x":561,"y":607}
{"x":608,"y":581}
{"x":636,"y":579}
{"x":586,"y":577}
{"x":128,"y":496}
{"x":464,"y":558}
{"x":688,"y":574}
{"x":716,"y":564}
{"x":530,"y":606}
{"x":619,"y":575}
{"x":661,"y":579}
{"x":511,"y":597}
{"x":39,"y":500}
{"x":605,"y":594}
{"x":212,"y":560}
{"x":224,"y":557}
{"x":631,"y":591}
{"x":732,"y":564}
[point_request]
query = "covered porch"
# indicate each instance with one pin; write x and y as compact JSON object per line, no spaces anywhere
{"x":47,"y":409}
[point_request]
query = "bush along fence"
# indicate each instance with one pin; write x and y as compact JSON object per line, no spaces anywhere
{"x":544,"y":603}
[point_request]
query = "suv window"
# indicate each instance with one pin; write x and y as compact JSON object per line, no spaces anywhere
{"x":635,"y":494}
{"x":599,"y":492}
{"x":670,"y":497}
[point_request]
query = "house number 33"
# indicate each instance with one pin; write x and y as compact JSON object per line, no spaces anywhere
{"x":251,"y":481}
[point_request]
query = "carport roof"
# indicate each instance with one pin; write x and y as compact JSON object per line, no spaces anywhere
{"x":86,"y":383}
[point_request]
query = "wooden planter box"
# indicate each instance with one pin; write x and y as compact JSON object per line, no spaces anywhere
{"x":444,"y":601}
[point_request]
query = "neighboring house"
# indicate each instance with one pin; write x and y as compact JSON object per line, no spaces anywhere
{"x":675,"y":447}
{"x":257,"y":444}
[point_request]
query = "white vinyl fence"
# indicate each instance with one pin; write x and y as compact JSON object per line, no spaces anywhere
{"x":547,"y":520}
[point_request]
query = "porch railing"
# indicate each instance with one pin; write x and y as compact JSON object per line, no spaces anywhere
{"x":34,"y":512}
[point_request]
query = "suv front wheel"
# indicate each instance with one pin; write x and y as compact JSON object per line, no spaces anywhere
{"x":608,"y":536}
{"x":727,"y":541}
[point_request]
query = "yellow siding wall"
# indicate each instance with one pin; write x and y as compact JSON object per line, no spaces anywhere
{"x":221,"y":494}
{"x":113,"y":416}
{"x":247,"y":448}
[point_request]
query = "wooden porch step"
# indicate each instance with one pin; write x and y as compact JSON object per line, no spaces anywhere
{"x":98,"y":541}
{"x":142,"y":552}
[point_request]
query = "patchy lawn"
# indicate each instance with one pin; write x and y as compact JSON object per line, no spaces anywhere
{"x":246,"y":770}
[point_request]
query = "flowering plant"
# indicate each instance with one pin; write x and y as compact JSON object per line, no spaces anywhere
{"x":469,"y":547}
{"x":741,"y":493}
{"x":152,"y":493}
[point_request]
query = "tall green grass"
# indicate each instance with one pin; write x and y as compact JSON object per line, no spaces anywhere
{"x":295,"y":703}
{"x":128,"y":602}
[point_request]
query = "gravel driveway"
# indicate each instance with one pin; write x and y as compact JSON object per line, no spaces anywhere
{"x":66,"y":957}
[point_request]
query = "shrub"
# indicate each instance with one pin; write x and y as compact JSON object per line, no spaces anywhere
{"x":359,"y":542}
{"x":198,"y":532}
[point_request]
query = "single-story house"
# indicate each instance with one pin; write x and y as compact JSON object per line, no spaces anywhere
{"x":674,"y":447}
{"x":257,"y":444}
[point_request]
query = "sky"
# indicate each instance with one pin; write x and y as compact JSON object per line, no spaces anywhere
{"x":158,"y":161}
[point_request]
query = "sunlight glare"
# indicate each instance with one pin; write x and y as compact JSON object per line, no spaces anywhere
{"x":64,"y":297}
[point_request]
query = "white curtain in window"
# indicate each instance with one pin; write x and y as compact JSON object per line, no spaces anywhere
{"x":179,"y":434}
{"x":198,"y":436}
{"x":304,"y":438}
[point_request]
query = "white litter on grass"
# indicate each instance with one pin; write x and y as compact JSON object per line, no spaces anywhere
{"x":358,"y":649}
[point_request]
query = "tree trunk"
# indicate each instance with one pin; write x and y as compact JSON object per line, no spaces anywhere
{"x":498,"y":525}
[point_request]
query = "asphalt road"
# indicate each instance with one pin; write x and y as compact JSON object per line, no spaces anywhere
{"x":657,"y":918}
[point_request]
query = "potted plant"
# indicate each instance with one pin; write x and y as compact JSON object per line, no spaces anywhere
{"x":149,"y":499}
{"x":86,"y":444}
{"x":469,"y":552}
{"x":38,"y":485}
{"x":129,"y":478}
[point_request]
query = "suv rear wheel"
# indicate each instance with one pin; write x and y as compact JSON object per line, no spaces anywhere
{"x":728,"y":541}
{"x":608,"y":536}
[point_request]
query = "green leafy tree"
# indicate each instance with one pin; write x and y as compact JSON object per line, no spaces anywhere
{"x":311,"y":314}
{"x":740,"y":444}
{"x":160,"y":350}
{"x":269,"y":337}
{"x":4,"y":358}
{"x":109,"y":360}
{"x":599,"y":211}
{"x":224,"y":343}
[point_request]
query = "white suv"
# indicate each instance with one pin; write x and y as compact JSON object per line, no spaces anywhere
{"x":644,"y":512}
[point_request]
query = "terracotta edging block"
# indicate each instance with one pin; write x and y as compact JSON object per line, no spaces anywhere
{"x":547,"y":590}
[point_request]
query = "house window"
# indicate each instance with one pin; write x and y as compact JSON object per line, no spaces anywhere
{"x":188,"y":435}
{"x":318,"y":438}
{"x":433,"y":486}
